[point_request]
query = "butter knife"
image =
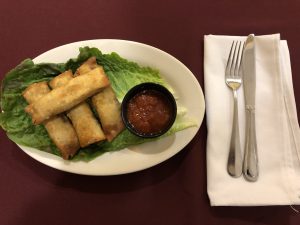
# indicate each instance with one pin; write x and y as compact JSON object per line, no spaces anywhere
{"x":250,"y":165}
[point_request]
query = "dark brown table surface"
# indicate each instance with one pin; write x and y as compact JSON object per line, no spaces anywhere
{"x":173,"y":192}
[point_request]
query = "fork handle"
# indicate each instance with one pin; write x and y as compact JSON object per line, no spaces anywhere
{"x":250,"y":166}
{"x":234,"y":164}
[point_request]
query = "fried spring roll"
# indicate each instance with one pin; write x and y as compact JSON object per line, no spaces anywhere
{"x":87,"y":66}
{"x":59,"y":127}
{"x":109,"y":111}
{"x":86,"y":126}
{"x":65,"y":97}
{"x":105,"y":103}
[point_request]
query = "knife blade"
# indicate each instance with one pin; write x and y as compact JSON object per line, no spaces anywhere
{"x":250,"y":164}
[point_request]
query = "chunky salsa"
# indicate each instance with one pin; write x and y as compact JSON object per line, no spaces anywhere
{"x":149,"y":112}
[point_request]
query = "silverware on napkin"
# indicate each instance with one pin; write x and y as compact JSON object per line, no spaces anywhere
{"x":250,"y":165}
{"x":233,"y":79}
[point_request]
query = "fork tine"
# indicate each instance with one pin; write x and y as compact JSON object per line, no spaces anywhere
{"x":240,"y":66}
{"x":230,"y":57}
{"x":238,"y":60}
{"x":234,"y":60}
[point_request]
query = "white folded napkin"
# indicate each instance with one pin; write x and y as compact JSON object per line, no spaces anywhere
{"x":277,"y":128}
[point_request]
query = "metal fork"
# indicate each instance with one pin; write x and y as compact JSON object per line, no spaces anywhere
{"x":233,"y":78}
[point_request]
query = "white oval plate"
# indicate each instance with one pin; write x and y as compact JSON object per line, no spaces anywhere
{"x":142,"y":156}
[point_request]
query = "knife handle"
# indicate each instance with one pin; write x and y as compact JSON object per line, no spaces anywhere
{"x":250,"y":166}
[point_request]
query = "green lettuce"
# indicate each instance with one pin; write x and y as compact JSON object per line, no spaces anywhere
{"x":122,"y":74}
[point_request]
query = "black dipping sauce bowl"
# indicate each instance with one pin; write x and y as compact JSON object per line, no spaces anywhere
{"x":148,"y":110}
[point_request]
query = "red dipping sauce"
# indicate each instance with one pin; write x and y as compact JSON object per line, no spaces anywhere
{"x":149,"y":112}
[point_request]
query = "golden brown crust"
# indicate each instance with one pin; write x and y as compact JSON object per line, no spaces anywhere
{"x":105,"y":103}
{"x":59,"y":128}
{"x":31,"y":94}
{"x":66,"y":97}
{"x":86,"y":126}
{"x":63,"y":135}
{"x":109,"y":111}
{"x":87,"y":66}
{"x":61,"y":79}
